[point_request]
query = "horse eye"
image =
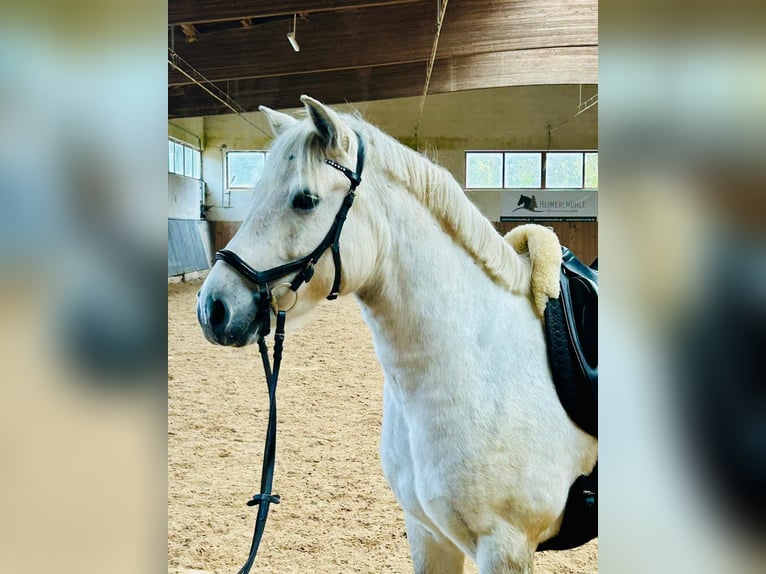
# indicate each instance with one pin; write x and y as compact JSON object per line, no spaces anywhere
{"x":305,"y":201}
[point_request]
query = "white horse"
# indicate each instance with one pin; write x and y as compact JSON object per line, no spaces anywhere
{"x":475,"y":443}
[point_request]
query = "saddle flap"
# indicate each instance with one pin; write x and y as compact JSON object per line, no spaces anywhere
{"x":579,"y":294}
{"x":571,"y":330}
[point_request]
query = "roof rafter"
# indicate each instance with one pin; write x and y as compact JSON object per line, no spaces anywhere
{"x":527,"y":67}
{"x":384,"y":36}
{"x":357,"y":50}
{"x":194,"y":11}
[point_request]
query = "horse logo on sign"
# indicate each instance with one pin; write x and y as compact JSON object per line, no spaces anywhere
{"x":528,"y":203}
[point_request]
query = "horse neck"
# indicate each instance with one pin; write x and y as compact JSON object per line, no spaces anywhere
{"x":428,"y":294}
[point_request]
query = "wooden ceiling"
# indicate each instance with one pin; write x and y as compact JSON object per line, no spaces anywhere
{"x":357,"y":50}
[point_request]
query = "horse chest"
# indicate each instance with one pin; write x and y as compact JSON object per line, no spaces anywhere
{"x":420,"y":453}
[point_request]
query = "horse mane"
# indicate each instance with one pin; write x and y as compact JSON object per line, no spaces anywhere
{"x":437,"y":190}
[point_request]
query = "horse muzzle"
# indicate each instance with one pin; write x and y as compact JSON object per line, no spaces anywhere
{"x":228,"y":317}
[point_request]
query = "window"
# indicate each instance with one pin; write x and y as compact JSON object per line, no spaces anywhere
{"x":523,"y":169}
{"x":484,"y":170}
{"x":244,"y":168}
{"x":591,"y":171}
{"x":564,"y":170}
{"x":188,"y":169}
{"x":184,"y":159}
{"x":531,"y":170}
{"x":178,"y":150}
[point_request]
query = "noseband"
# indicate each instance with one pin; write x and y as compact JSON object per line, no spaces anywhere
{"x":305,"y":271}
{"x":305,"y":265}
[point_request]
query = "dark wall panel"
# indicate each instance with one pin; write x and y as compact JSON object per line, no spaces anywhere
{"x":223,"y":231}
{"x":186,"y":250}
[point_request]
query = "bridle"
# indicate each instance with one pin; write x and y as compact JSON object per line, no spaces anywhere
{"x":304,"y":265}
{"x":266,"y":303}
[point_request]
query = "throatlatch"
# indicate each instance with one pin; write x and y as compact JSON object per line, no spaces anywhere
{"x":262,"y":279}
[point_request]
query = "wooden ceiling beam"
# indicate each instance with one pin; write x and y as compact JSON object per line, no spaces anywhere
{"x":341,"y":40}
{"x":517,"y":68}
{"x":196,"y":11}
{"x":282,"y":92}
{"x":382,"y":36}
{"x":573,"y":65}
{"x":352,"y":50}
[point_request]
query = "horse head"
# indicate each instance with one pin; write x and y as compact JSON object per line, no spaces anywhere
{"x":294,"y":205}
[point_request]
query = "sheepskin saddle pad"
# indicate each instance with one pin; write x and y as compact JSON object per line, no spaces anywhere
{"x":564,"y":292}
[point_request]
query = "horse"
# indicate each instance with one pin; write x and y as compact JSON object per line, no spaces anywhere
{"x":474,"y":444}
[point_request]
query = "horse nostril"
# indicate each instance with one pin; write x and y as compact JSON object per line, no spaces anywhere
{"x":216,"y":313}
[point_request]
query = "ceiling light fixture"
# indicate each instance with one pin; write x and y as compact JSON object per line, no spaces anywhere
{"x":291,"y":35}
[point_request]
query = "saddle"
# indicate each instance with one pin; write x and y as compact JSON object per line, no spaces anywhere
{"x":571,"y":329}
{"x":571,"y":332}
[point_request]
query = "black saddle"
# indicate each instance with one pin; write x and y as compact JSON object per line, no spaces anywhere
{"x":571,"y":332}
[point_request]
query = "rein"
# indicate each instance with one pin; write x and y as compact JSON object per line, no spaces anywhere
{"x":266,"y":303}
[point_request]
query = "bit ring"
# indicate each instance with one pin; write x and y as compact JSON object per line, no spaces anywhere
{"x":295,"y":300}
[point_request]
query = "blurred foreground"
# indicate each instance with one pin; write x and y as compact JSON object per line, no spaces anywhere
{"x":683,"y":257}
{"x":82,"y":287}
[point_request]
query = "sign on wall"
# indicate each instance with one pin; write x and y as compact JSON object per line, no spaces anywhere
{"x":545,"y":204}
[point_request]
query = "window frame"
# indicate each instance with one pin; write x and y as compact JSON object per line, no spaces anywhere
{"x":502,"y":167}
{"x":562,"y":152}
{"x":543,"y":168}
{"x":584,"y":164}
{"x":541,"y":174}
{"x":226,"y":168}
{"x":195,"y":152}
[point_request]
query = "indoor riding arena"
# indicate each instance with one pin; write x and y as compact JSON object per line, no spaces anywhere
{"x":503,"y":95}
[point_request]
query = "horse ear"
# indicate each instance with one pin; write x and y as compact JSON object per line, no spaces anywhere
{"x":328,"y":123}
{"x":278,"y":122}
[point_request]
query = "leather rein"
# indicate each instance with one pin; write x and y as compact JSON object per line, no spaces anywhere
{"x":266,"y":304}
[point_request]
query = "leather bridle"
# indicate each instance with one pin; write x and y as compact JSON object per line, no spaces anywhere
{"x":265,"y":304}
{"x":305,"y":265}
